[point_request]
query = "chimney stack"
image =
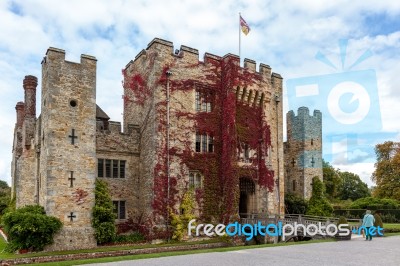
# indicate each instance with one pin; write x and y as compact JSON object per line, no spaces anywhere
{"x":20,"y":107}
{"x":30,"y":84}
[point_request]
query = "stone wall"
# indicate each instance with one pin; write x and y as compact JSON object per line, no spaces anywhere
{"x":115,"y":145}
{"x":150,"y":114}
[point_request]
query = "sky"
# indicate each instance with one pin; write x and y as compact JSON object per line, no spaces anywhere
{"x":337,"y":56}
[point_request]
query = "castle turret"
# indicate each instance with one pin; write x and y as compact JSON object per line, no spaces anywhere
{"x":303,"y":151}
{"x":68,"y":148}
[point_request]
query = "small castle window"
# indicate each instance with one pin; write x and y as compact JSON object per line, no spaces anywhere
{"x":111,"y":168}
{"x":203,"y":101}
{"x":294,"y":185}
{"x":195,"y":180}
{"x":73,"y":103}
{"x":210,"y":144}
{"x":312,"y":142}
{"x":246,"y":152}
{"x":204,"y":143}
{"x":119,"y":209}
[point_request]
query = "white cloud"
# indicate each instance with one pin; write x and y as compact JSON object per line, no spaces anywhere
{"x":284,"y":34}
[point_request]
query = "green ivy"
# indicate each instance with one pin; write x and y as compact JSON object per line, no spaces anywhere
{"x":30,"y":228}
{"x":103,"y":215}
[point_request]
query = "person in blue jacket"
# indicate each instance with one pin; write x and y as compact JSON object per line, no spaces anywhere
{"x":368,"y":221}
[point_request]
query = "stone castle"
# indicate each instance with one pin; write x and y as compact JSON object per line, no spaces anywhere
{"x":210,"y":127}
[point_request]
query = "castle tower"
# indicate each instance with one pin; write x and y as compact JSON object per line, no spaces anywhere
{"x":67,"y":133}
{"x":303,"y":151}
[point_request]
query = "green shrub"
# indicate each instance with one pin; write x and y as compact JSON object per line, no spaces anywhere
{"x":378,"y":220}
{"x":295,"y":204}
{"x":318,"y":205}
{"x":103,"y":215}
{"x":180,"y":221}
{"x":375,"y":203}
{"x":132,"y":238}
{"x":30,"y":228}
{"x":342,"y":220}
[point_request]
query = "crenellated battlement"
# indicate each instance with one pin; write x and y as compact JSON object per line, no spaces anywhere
{"x":303,"y":112}
{"x":57,"y":54}
{"x":191,"y":55}
{"x":113,"y":139}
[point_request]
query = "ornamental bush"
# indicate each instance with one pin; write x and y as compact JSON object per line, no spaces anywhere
{"x":378,"y":220}
{"x":375,"y":204}
{"x":180,"y":221}
{"x":295,"y":204}
{"x":30,"y":228}
{"x":318,"y":204}
{"x":103,"y":215}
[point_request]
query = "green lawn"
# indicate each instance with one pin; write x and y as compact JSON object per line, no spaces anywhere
{"x":391,"y":226}
{"x":2,"y":245}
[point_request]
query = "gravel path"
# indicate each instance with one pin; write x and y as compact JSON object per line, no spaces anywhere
{"x":379,"y":251}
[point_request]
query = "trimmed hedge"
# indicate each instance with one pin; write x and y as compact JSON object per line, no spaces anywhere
{"x":387,"y":216}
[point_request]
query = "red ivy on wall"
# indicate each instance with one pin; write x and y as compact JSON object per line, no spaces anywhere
{"x":230,"y":122}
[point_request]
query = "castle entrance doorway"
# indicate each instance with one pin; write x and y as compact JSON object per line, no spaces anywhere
{"x":247,"y":196}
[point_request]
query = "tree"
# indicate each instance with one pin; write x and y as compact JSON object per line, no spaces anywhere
{"x":318,"y":204}
{"x":331,"y":179}
{"x":387,"y":170}
{"x":103,"y":215}
{"x":5,"y":195}
{"x":351,"y":187}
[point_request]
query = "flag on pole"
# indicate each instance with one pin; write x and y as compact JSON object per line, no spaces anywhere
{"x":245,"y":27}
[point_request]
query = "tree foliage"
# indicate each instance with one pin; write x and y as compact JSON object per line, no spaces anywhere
{"x":351,"y":187}
{"x":30,"y":228}
{"x":5,"y":196}
{"x":295,"y":204}
{"x":318,"y":204}
{"x":387,"y":170}
{"x":103,"y":215}
{"x":331,"y":179}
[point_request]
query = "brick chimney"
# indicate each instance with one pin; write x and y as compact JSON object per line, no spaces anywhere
{"x":20,"y":107}
{"x":30,"y":84}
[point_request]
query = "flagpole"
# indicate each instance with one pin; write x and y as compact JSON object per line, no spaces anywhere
{"x":239,"y":38}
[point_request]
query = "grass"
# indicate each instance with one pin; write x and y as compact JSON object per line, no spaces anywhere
{"x":391,"y":226}
{"x":3,"y":245}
